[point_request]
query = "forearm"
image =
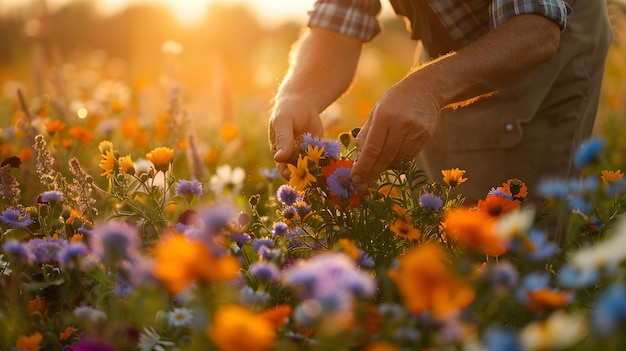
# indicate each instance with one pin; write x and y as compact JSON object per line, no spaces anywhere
{"x":322,"y":67}
{"x":493,"y":61}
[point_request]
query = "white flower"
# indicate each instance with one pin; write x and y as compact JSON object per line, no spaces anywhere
{"x":607,"y":253}
{"x":149,"y":340}
{"x":515,"y":223}
{"x":228,"y":179}
{"x":559,"y":331}
{"x":179,"y":317}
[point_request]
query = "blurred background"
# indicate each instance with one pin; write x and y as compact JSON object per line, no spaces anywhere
{"x":143,"y":73}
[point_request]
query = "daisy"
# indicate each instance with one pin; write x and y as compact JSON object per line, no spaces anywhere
{"x":301,"y":176}
{"x":179,"y":317}
{"x":107,"y":163}
{"x":453,"y":177}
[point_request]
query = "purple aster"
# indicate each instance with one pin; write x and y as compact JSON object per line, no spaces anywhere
{"x":13,"y":217}
{"x":51,"y":196}
{"x":14,"y":248}
{"x":430,"y":202}
{"x":499,"y":192}
{"x":287,"y":195}
{"x":115,"y":241}
{"x":289,"y":212}
{"x":308,"y":139}
{"x":189,"y":188}
{"x":240,"y":238}
{"x":264,"y":270}
{"x":588,"y":152}
{"x":340,"y":183}
{"x":267,"y":242}
{"x":249,"y":297}
{"x":302,"y":209}
{"x":332,"y":149}
{"x":71,"y":254}
{"x":280,"y":228}
{"x":46,"y":250}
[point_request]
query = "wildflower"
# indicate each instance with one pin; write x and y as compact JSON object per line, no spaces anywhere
{"x":179,"y":317}
{"x":301,"y":176}
{"x":514,"y":224}
{"x":55,"y":126}
{"x":426,"y":283}
{"x":538,"y":248}
{"x":553,"y":188}
{"x":180,"y":261}
{"x":265,"y":271}
{"x":309,"y":140}
{"x":500,"y":338}
{"x":588,"y":152}
{"x":67,"y":333}
{"x":14,"y":217}
{"x":609,"y":312}
{"x":228,"y":178}
{"x":240,"y":238}
{"x":45,"y":250}
{"x":430,"y":202}
{"x":29,"y":343}
{"x":51,"y":196}
{"x":161,"y":157}
{"x":473,"y":229}
{"x":37,"y":305}
{"x":287,"y":195}
{"x":332,"y":149}
{"x":229,"y":132}
{"x":115,"y":241}
{"x":497,"y":204}
{"x":611,"y":176}
{"x":90,"y":315}
{"x":516,"y":188}
{"x":269,"y":174}
{"x":9,"y":186}
{"x":559,"y":331}
{"x":82,"y":134}
{"x":44,"y":161}
{"x":231,"y":322}
{"x":71,"y":254}
{"x":343,"y":191}
{"x":17,"y":250}
{"x":502,"y":277}
{"x":150,"y":340}
{"x":315,"y":153}
{"x":453,"y":177}
{"x":107,"y":163}
{"x":572,"y":278}
{"x":87,"y":344}
{"x":279,"y":229}
{"x":126,"y":165}
{"x":189,"y":188}
{"x":403,"y":227}
{"x":277,"y":315}
{"x":249,"y":297}
{"x":267,"y":242}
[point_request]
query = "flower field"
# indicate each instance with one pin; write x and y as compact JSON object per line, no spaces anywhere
{"x":129,"y":220}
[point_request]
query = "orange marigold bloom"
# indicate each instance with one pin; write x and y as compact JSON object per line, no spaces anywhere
{"x":29,"y":343}
{"x":425,"y":282}
{"x":516,"y":188}
{"x":161,"y":157}
{"x":179,"y":262}
{"x":81,"y":134}
{"x":278,"y":315}
{"x":107,"y":163}
{"x":474,"y":230}
{"x":236,"y":328}
{"x":65,"y":334}
{"x":212,"y":156}
{"x":546,"y":298}
{"x":301,"y":176}
{"x":611,"y":176}
{"x":497,"y":205}
{"x":453,"y":177}
{"x":404,"y":227}
{"x":162,"y":126}
{"x":25,"y":153}
{"x":55,"y":126}
{"x":229,"y":132}
{"x":38,"y":305}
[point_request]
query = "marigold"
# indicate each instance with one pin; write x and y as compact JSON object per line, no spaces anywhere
{"x":278,"y":315}
{"x":37,"y":305}
{"x":516,"y":188}
{"x":81,"y":134}
{"x":107,"y":163}
{"x":545,"y":298}
{"x":496,"y":205}
{"x":453,"y":177}
{"x":611,"y":176}
{"x":231,"y":322}
{"x":105,"y":146}
{"x":55,"y":126}
{"x":301,"y":176}
{"x":65,"y":334}
{"x":29,"y":343}
{"x":425,"y":282}
{"x":161,"y":157}
{"x":473,"y":229}
{"x":404,"y":227}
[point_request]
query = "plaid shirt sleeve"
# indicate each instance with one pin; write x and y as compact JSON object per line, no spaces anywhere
{"x":557,"y":10}
{"x":356,"y":18}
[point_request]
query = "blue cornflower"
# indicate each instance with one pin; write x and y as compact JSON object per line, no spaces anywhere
{"x":15,"y":249}
{"x":610,"y":310}
{"x":531,"y":282}
{"x":543,"y":249}
{"x":579,"y":204}
{"x":499,"y":192}
{"x":588,"y":152}
{"x":280,"y":228}
{"x":265,"y":271}
{"x":332,"y":149}
{"x":571,"y":278}
{"x":249,"y":297}
{"x":302,"y":209}
{"x":340,"y":183}
{"x":51,"y":196}
{"x":555,"y":188}
{"x":267,"y":242}
{"x":189,"y":188}
{"x":501,"y":339}
{"x":287,"y":195}
{"x":14,"y":217}
{"x":289,"y":212}
{"x":430,"y":202}
{"x":269,"y":174}
{"x":309,"y":139}
{"x":240,"y":238}
{"x":115,"y":241}
{"x":72,"y":253}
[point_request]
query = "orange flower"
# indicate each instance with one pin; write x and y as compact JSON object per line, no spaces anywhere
{"x":212,"y":156}
{"x":65,"y":334}
{"x":425,"y":282}
{"x":278,"y":315}
{"x":126,"y":165}
{"x":179,"y":262}
{"x":229,"y":132}
{"x":315,"y":153}
{"x":349,"y":248}
{"x":55,"y":126}
{"x":473,"y":229}
{"x":404,"y":227}
{"x":37,"y":305}
{"x":162,"y":126}
{"x":516,"y":188}
{"x":29,"y":343}
{"x":235,"y":328}
{"x":301,"y":176}
{"x":25,"y":154}
{"x":81,"y":134}
{"x":381,"y":346}
{"x":546,"y":298}
{"x":611,"y":176}
{"x":131,"y":130}
{"x":107,"y":163}
{"x":161,"y":157}
{"x":497,"y":205}
{"x":453,"y":177}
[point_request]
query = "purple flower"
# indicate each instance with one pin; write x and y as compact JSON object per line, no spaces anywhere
{"x":264,"y":270}
{"x":249,"y":297}
{"x":287,"y":195}
{"x":289,"y":212}
{"x":14,"y":248}
{"x":500,"y":276}
{"x":115,"y":241}
{"x":13,"y":217}
{"x":258,"y":243}
{"x":332,"y":149}
{"x":72,"y":253}
{"x":46,"y":250}
{"x":189,"y":188}
{"x":340,"y":183}
{"x":240,"y":238}
{"x":51,"y":196}
{"x":588,"y":152}
{"x":269,"y":174}
{"x":280,"y":228}
{"x":309,"y":139}
{"x":430,"y":202}
{"x":87,"y":344}
{"x":499,"y":192}
{"x":302,"y":209}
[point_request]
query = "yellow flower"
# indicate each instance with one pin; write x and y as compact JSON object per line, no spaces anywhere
{"x":301,"y":177}
{"x":81,"y":134}
{"x":126,"y":165}
{"x":404,"y":227}
{"x":161,"y":157}
{"x":229,"y":132}
{"x":29,"y":343}
{"x":105,"y":146}
{"x":314,"y":153}
{"x":611,"y":176}
{"x":107,"y":163}
{"x":453,"y":177}
{"x":231,"y":323}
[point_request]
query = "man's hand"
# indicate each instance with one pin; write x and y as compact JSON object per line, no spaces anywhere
{"x":290,"y":117}
{"x":397,"y":129}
